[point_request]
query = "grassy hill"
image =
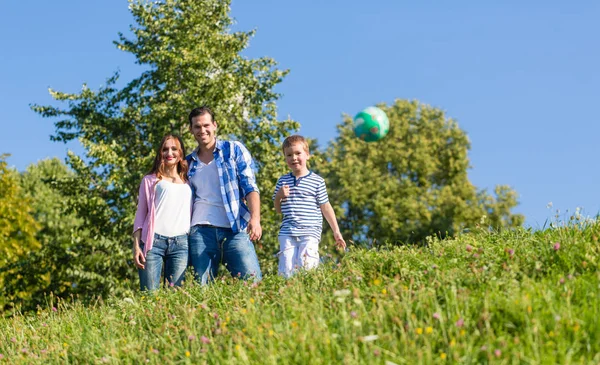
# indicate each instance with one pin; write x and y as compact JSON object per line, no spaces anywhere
{"x":510,"y":297}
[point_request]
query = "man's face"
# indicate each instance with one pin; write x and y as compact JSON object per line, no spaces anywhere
{"x":204,"y":129}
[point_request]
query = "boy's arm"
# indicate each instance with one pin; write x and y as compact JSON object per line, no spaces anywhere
{"x":281,"y":193}
{"x":329,"y":215}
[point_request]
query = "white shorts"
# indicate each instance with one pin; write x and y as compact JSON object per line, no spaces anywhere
{"x":297,"y":253}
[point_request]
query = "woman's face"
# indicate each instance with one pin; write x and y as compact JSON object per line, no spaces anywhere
{"x":170,"y":152}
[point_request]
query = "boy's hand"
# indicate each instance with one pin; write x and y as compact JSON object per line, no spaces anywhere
{"x":283,"y":192}
{"x":339,"y":241}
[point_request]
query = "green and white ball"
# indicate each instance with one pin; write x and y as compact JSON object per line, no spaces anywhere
{"x":371,"y":124}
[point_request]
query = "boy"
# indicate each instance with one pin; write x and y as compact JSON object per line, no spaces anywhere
{"x":301,"y":196}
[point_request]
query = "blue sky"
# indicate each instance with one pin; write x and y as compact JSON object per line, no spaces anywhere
{"x":521,"y":78}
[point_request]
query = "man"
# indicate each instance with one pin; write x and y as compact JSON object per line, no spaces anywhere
{"x":222,"y":227}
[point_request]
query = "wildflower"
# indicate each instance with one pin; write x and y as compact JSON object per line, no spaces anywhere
{"x":191,"y":337}
{"x":443,"y":356}
{"x":528,"y":309}
{"x":187,"y":354}
{"x":436,"y":315}
{"x":497,"y":352}
{"x":54,"y":309}
{"x":238,"y":347}
{"x":271,"y":333}
{"x":429,"y":330}
{"x":369,"y":338}
{"x":511,"y":252}
{"x":469,"y":248}
{"x":1,"y":356}
{"x":252,"y":300}
{"x":353,"y":314}
{"x":462,"y":332}
{"x":570,"y":277}
{"x":556,"y":246}
{"x":377,"y":282}
{"x":562,"y":280}
{"x":128,"y":300}
{"x":419,"y":330}
{"x":576,"y":327}
{"x":155,"y":351}
{"x":460,"y":322}
{"x":204,"y":339}
{"x":376,"y":352}
{"x":13,"y":340}
{"x":483,"y":348}
{"x":342,"y":293}
{"x":384,"y":291}
{"x":65,"y":344}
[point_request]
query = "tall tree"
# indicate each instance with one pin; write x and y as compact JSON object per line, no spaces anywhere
{"x":191,"y":57}
{"x":411,"y":184}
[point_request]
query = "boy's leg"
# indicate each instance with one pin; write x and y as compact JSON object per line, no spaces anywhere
{"x":204,"y":253}
{"x":176,"y":260}
{"x":150,"y":275}
{"x":239,"y":256}
{"x":287,"y":252}
{"x":308,"y":253}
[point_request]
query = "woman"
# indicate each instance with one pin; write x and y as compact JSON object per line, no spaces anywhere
{"x":162,"y":220}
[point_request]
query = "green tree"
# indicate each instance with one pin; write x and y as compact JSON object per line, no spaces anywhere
{"x":413,"y":183}
{"x":191,"y":57}
{"x":17,"y":231}
{"x":60,"y":265}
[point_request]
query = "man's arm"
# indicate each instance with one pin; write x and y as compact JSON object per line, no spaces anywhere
{"x":254,"y":228}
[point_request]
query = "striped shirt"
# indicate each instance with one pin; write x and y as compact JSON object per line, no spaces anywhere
{"x":236,"y":177}
{"x":301,"y":210}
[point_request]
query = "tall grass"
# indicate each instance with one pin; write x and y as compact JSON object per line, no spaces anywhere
{"x":507,"y":297}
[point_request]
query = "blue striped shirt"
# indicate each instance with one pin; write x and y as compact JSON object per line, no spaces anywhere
{"x":301,"y":210}
{"x":236,"y":177}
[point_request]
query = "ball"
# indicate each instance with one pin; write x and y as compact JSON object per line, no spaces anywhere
{"x":371,"y":124}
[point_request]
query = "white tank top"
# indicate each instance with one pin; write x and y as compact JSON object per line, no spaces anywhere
{"x":208,"y":202}
{"x":172,"y":203}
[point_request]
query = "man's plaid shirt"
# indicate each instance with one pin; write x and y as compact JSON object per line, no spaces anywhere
{"x":236,"y":176}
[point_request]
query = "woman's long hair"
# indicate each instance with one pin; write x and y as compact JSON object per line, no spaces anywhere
{"x":158,"y":167}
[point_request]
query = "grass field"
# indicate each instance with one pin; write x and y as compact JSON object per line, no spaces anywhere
{"x":518,"y":296}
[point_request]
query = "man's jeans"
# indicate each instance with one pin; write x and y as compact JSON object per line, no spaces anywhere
{"x":211,"y":245}
{"x":173,"y":252}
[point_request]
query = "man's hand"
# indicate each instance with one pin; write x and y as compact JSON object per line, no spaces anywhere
{"x":254,"y":229}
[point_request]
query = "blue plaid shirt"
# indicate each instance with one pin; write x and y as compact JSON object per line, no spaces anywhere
{"x":236,"y":176}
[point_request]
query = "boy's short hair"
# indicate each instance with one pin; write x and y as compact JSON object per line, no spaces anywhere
{"x":296,"y":138}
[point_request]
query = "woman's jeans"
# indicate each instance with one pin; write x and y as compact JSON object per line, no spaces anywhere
{"x":170,"y":251}
{"x":210,"y":246}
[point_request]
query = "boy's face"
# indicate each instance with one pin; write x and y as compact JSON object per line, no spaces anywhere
{"x":296,"y":157}
{"x":204,"y":129}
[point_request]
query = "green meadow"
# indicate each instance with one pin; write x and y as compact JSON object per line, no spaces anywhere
{"x":516,"y":296}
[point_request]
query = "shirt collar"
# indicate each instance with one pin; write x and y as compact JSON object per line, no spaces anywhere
{"x":218,"y":147}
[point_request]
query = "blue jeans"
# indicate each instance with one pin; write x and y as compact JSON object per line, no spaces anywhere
{"x":170,"y":251}
{"x":210,"y":246}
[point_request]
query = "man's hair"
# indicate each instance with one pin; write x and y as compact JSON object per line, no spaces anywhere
{"x":296,"y":138}
{"x":201,"y":111}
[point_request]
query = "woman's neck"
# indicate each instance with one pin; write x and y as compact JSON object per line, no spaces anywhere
{"x":171,"y":171}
